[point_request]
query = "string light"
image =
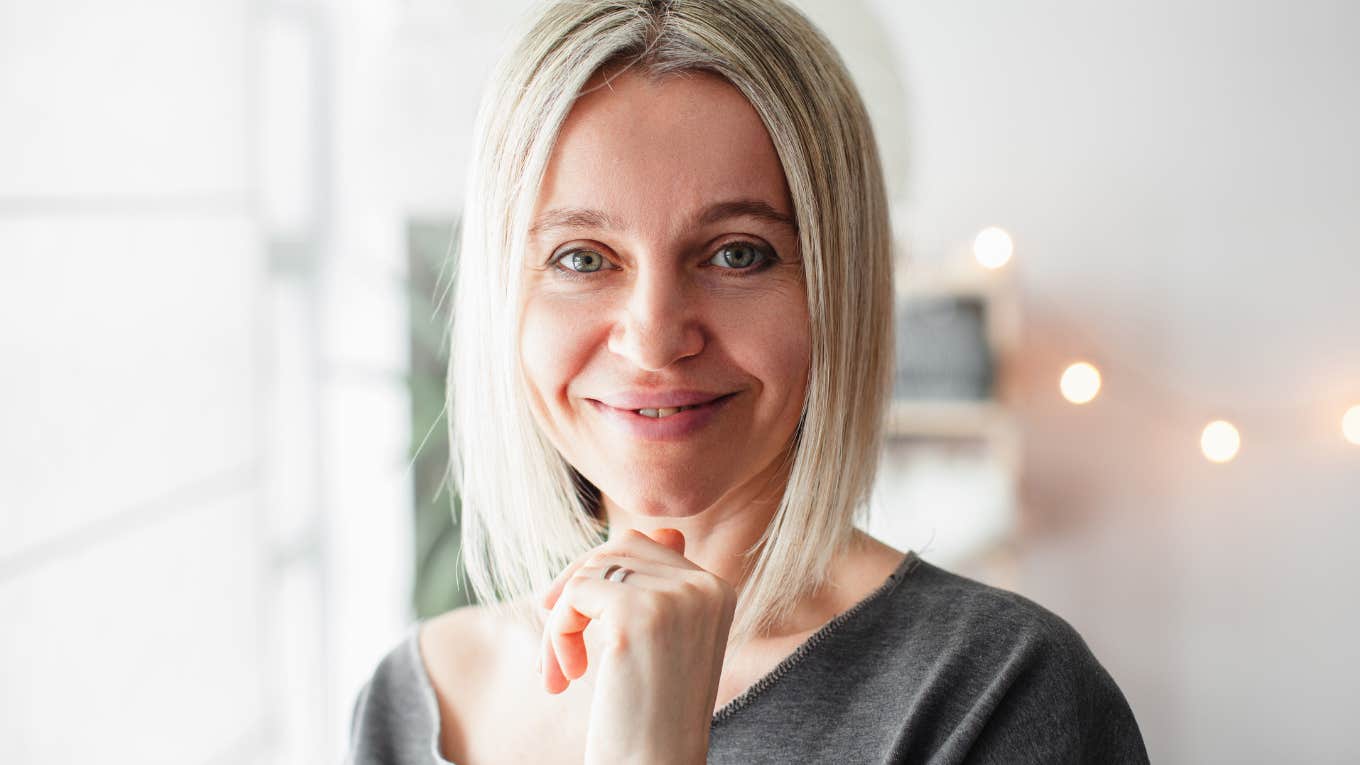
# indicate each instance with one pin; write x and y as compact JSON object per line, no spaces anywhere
{"x":993,"y":247}
{"x":1080,"y":383}
{"x":1350,"y":425}
{"x":1220,"y":441}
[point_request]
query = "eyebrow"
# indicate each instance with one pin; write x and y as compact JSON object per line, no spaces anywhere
{"x":578,"y":217}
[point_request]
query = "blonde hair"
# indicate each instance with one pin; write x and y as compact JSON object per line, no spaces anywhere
{"x":526,"y":512}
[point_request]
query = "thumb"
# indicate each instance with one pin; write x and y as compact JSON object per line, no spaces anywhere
{"x":672,"y":538}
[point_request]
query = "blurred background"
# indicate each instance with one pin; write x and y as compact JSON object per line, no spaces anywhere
{"x":1128,"y":327}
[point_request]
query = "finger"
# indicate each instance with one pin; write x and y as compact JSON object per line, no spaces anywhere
{"x":596,"y":568}
{"x":636,"y":543}
{"x":671,"y":538}
{"x":643,"y":581}
{"x":553,"y":679}
{"x":584,"y":600}
{"x":554,"y":590}
{"x":569,"y":650}
{"x":669,"y":549}
{"x":550,"y":595}
{"x":563,"y":634}
{"x":587,"y":600}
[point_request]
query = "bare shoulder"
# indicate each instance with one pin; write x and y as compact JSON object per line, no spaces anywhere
{"x":481,"y":664}
{"x":475,"y":641}
{"x":459,"y":651}
{"x":455,"y":643}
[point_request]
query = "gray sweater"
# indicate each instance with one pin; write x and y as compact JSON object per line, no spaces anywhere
{"x":930,"y":667}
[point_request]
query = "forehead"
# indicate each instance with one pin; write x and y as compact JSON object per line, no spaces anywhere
{"x":651,"y":154}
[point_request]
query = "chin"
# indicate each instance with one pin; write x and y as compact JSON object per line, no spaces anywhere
{"x":662,"y":499}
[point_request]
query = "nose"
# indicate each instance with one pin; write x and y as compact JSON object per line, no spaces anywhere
{"x":659,"y":324}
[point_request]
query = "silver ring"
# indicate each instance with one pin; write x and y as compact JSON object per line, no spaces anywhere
{"x":616,"y":568}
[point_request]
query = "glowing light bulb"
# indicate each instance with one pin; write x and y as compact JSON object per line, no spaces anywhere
{"x":993,"y":247}
{"x":1220,"y":441}
{"x":1080,"y":383}
{"x":1350,"y":425}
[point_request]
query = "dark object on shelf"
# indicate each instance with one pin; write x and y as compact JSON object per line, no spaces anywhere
{"x":942,"y":349}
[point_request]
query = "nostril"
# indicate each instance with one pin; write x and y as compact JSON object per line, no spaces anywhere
{"x":653,"y":346}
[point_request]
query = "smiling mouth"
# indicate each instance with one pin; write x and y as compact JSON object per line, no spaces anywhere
{"x":661,"y":413}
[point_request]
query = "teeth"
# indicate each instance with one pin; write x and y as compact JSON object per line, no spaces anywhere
{"x":659,"y":413}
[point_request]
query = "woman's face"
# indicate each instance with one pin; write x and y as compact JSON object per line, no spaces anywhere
{"x":663,"y":270}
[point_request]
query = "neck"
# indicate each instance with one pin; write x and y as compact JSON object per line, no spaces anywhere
{"x":716,"y":539}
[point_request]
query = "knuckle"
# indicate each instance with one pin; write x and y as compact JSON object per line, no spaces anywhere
{"x":615,"y":642}
{"x":704,"y":584}
{"x":693,"y":588}
{"x":569,"y":589}
{"x":650,"y":614}
{"x":602,"y":557}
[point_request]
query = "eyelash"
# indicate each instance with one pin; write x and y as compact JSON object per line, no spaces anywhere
{"x":766,"y":253}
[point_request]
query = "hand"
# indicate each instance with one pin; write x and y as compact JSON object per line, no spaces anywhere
{"x":660,"y":637}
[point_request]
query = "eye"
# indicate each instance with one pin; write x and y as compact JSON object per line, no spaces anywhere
{"x":739,"y":256}
{"x":581,"y":261}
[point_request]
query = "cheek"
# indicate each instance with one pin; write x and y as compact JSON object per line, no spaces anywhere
{"x":556,"y":338}
{"x":792,"y":362}
{"x":774,"y":344}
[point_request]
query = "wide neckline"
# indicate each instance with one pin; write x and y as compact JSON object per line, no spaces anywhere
{"x":804,"y":649}
{"x":739,"y":702}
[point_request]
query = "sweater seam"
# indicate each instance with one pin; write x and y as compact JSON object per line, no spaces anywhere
{"x":828,"y":630}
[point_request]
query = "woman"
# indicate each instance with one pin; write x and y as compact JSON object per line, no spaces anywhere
{"x":670,"y":365}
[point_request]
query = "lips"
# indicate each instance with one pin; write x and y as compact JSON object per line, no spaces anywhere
{"x":656,"y":399}
{"x":680,"y":421}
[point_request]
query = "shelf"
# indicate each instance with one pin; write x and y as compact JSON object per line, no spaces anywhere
{"x":946,"y":418}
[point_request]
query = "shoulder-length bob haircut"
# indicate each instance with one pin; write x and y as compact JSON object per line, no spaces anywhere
{"x":526,"y":512}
